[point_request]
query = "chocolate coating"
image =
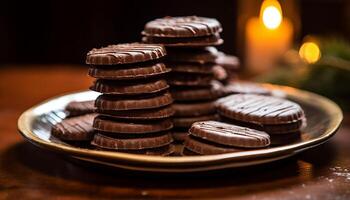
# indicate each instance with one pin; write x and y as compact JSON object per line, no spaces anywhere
{"x":189,"y":26}
{"x":124,"y":54}
{"x":130,"y":87}
{"x":75,"y":128}
{"x":136,"y":72}
{"x":193,"y":109}
{"x":147,"y":114}
{"x":203,"y":148}
{"x":228,"y":134}
{"x":76,"y":108}
{"x":259,"y":109}
{"x":108,"y":103}
{"x":212,"y":40}
{"x":111,"y":125}
{"x":107,"y":142}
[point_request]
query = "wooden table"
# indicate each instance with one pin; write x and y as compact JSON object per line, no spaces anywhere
{"x":27,"y":172}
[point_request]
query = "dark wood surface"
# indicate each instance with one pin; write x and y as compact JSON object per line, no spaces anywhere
{"x":27,"y":172}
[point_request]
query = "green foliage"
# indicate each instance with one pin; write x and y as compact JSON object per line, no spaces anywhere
{"x":330,"y":76}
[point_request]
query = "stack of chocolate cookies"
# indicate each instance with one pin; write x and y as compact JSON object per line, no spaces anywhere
{"x":192,"y":58}
{"x":134,"y":109}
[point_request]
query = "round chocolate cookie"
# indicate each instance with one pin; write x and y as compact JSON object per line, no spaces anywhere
{"x":242,"y":87}
{"x":110,"y":103}
{"x":147,"y":114}
{"x":189,"y":26}
{"x":227,"y":61}
{"x":191,"y":68}
{"x":258,"y":109}
{"x":185,"y":79}
{"x":135,"y":72}
{"x":75,"y":128}
{"x":212,"y":40}
{"x":112,"y":125}
{"x":130,"y":87}
{"x":193,"y":109}
{"x":76,"y":108}
{"x":190,"y":94}
{"x":272,"y":129}
{"x":230,"y":135}
{"x":125,"y":54}
{"x":203,"y":148}
{"x":193,"y":55}
{"x":107,"y":142}
{"x":186,"y":122}
{"x":287,"y":128}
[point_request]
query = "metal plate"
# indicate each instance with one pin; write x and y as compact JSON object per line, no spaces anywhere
{"x":323,"y":115}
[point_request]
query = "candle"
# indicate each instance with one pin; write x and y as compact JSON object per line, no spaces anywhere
{"x":310,"y":52}
{"x":267,"y":37}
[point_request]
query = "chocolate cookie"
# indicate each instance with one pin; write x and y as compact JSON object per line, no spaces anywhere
{"x":193,"y":109}
{"x":75,"y":128}
{"x":147,"y":114}
{"x":186,"y":122}
{"x":285,"y":128}
{"x":191,"y":68}
{"x":190,"y":94}
{"x":259,"y":109}
{"x":111,"y":125}
{"x":124,"y":54}
{"x":275,"y":115}
{"x":230,"y":135}
{"x":243,"y":87}
{"x":206,"y":55}
{"x":131,"y":73}
{"x":227,"y":61}
{"x":212,"y":40}
{"x":111,"y":103}
{"x":107,"y":142}
{"x":185,"y":79}
{"x":206,"y":148}
{"x":130,"y":87}
{"x":76,"y":108}
{"x":189,"y":26}
{"x":272,"y":129}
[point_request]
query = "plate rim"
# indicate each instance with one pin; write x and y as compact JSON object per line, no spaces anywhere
{"x":28,"y":116}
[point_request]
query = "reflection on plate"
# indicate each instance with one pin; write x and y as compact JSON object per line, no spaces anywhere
{"x":324,"y":118}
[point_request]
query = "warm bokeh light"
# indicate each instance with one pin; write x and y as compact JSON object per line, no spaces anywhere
{"x":310,"y":52}
{"x":271,"y":14}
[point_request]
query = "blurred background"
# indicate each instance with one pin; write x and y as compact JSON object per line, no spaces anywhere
{"x":302,"y":43}
{"x":63,"y":31}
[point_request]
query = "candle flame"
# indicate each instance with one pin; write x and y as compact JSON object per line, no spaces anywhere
{"x":271,"y":14}
{"x":310,"y":52}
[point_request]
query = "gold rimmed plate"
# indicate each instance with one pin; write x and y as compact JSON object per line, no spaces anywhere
{"x":323,"y":117}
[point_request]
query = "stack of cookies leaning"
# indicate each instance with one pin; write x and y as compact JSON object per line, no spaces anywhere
{"x":134,"y":109}
{"x":280,"y":118}
{"x":192,"y":59}
{"x":248,"y":121}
